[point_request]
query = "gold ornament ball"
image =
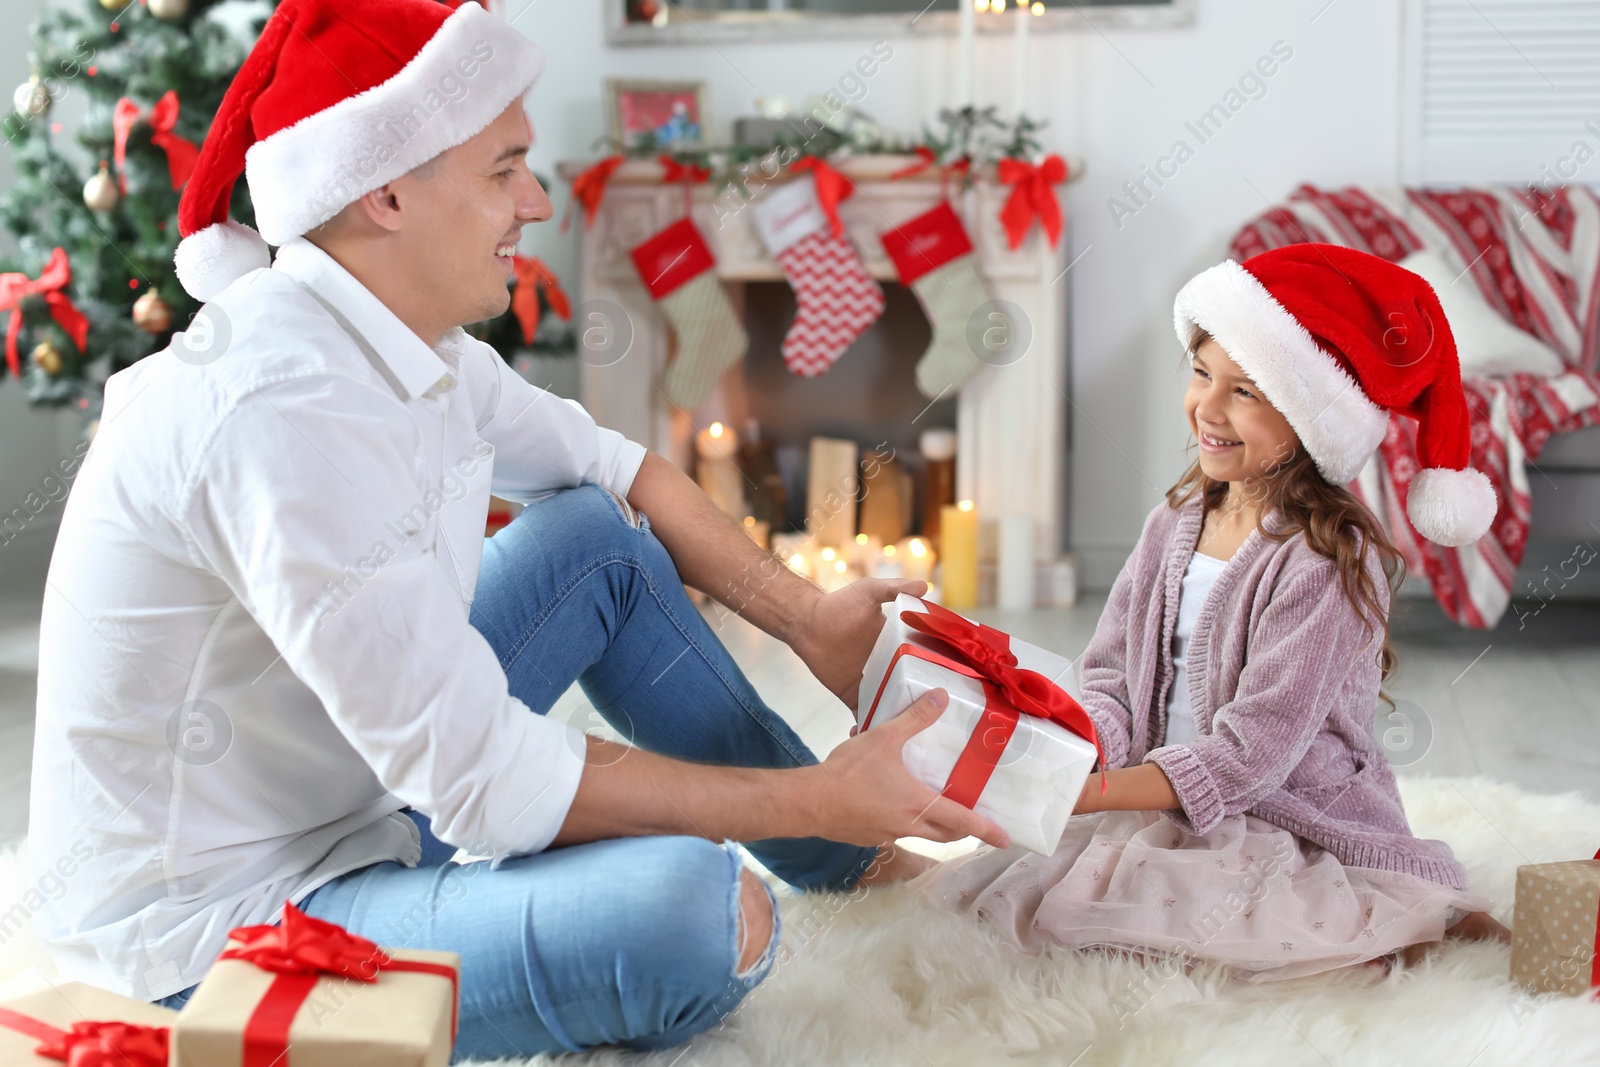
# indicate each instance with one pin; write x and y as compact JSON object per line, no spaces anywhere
{"x":32,"y":98}
{"x":168,"y":9}
{"x":151,"y":313}
{"x":100,"y":192}
{"x":113,"y":5}
{"x":46,"y":357}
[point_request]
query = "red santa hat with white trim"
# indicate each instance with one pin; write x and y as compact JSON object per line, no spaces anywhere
{"x":336,"y":99}
{"x":1338,"y":340}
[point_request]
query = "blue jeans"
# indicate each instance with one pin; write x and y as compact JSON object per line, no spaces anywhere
{"x":631,"y":941}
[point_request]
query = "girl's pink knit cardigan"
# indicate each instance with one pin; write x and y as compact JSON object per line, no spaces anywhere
{"x":1283,"y":680}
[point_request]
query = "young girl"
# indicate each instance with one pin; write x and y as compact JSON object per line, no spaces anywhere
{"x":1250,"y":815}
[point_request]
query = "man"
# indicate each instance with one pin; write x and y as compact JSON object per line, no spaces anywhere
{"x":280,"y":662}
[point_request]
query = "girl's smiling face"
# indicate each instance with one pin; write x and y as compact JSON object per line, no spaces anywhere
{"x":1224,"y":405}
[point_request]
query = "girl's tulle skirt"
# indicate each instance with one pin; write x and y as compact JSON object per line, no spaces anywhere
{"x":1248,"y":894}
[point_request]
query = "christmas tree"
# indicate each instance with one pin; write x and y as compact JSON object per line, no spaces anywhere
{"x":153,"y":73}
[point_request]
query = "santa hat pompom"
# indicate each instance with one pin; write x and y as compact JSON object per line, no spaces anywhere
{"x":1451,"y":507}
{"x":212,"y":259}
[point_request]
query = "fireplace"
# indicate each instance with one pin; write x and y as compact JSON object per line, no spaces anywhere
{"x":1010,"y":419}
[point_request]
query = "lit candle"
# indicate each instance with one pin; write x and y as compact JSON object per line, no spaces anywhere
{"x":800,"y":565}
{"x":865,"y":550}
{"x":965,"y":55}
{"x":917,"y":558}
{"x":717,"y":472}
{"x":958,"y":555}
{"x":834,"y":575}
{"x":1019,"y":62}
{"x":888,"y":564}
{"x":1016,"y":577}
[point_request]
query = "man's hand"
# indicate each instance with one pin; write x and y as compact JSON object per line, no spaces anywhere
{"x":865,"y":795}
{"x":836,"y":634}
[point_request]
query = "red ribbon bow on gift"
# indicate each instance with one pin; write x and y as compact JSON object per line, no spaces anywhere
{"x":182,"y":153}
{"x":531,"y":274}
{"x":984,"y":654}
{"x":1032,"y":197}
{"x":15,"y":287}
{"x":299,"y":950}
{"x":93,"y":1044}
{"x":589,"y":188}
{"x":832,"y":187}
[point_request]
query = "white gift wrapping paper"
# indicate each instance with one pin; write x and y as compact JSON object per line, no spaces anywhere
{"x":1038,"y":778}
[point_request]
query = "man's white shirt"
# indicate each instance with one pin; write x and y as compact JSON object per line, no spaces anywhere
{"x":255,"y":647}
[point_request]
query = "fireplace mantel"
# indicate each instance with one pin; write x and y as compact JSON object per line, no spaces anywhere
{"x":1011,"y":420}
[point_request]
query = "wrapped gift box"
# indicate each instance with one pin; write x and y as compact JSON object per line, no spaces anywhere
{"x":28,"y":1020}
{"x":1554,"y":928}
{"x":405,"y":1017}
{"x":1021,"y":770}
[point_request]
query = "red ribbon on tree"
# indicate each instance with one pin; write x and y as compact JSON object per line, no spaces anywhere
{"x":984,"y":654}
{"x":832,"y":187}
{"x":531,"y":275}
{"x":299,"y":950}
{"x":1032,"y":197}
{"x":589,"y":188}
{"x":15,"y":287}
{"x":93,"y":1044}
{"x":182,"y":153}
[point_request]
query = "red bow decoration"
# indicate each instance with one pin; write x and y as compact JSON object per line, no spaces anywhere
{"x":589,"y":188}
{"x":182,"y":153}
{"x":984,"y":654}
{"x":1031,"y":197}
{"x":298,"y":951}
{"x":531,"y":274}
{"x":93,"y":1044}
{"x":15,"y":287}
{"x":112,"y":1044}
{"x":832,"y":187}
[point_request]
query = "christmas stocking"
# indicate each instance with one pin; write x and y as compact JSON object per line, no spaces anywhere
{"x":678,"y":269}
{"x":934,"y":258}
{"x":836,"y":297}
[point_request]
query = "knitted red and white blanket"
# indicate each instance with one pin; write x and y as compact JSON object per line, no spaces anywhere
{"x":1536,"y":259}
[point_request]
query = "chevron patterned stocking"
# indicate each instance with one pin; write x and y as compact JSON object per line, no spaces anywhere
{"x":837,"y":299}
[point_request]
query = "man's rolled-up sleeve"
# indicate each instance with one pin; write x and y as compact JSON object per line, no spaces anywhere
{"x":301,"y":492}
{"x":544,"y":442}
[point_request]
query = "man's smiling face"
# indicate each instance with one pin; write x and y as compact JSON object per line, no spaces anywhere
{"x":465,"y":213}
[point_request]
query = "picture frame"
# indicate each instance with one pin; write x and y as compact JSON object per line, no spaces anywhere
{"x":673,"y":112}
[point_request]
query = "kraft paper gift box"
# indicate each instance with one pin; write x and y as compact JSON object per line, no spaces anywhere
{"x":59,"y":1014}
{"x":1021,"y":770}
{"x":246,"y":1015}
{"x":1554,"y":928}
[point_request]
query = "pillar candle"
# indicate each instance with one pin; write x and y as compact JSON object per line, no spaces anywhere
{"x":759,"y":531}
{"x":888,"y":563}
{"x":958,"y":555}
{"x":916,"y":557}
{"x":717,"y":469}
{"x":939,"y":464}
{"x":1016,"y":577}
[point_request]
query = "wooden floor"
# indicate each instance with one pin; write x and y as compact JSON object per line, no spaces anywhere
{"x":1520,"y":703}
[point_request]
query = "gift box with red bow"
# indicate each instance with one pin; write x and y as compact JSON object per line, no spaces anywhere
{"x":1014,"y":744}
{"x":308,"y":993}
{"x":82,"y":1026}
{"x":1556,"y":927}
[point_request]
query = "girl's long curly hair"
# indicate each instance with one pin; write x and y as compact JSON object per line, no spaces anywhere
{"x":1334,"y":521}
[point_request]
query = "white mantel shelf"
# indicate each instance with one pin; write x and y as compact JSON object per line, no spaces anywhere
{"x":1011,"y":420}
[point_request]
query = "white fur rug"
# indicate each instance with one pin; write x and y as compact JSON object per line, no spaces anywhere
{"x":881,"y":980}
